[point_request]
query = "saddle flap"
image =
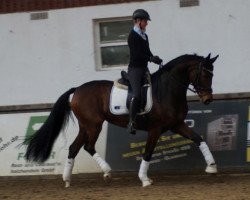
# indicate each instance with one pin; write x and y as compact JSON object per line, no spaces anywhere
{"x":123,"y":84}
{"x":118,"y":101}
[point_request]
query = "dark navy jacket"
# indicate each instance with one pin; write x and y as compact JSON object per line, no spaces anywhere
{"x":139,"y":50}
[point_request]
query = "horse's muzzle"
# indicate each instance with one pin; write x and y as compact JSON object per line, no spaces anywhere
{"x":206,"y":98}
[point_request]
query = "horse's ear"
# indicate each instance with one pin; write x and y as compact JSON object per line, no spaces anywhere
{"x":208,"y":57}
{"x":214,"y":59}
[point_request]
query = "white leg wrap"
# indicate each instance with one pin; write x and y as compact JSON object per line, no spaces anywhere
{"x":143,"y":173}
{"x":68,"y":169}
{"x":206,"y":153}
{"x":102,"y":163}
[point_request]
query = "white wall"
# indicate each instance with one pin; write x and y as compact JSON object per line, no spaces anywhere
{"x":41,"y":59}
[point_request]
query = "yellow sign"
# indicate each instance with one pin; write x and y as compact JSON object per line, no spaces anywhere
{"x":248,"y":154}
{"x":249,"y":113}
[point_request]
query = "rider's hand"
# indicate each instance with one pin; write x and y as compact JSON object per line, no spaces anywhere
{"x":156,"y":60}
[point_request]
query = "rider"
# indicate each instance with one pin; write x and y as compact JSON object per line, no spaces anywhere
{"x":140,"y":55}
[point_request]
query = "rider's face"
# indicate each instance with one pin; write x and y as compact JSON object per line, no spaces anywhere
{"x":143,"y":24}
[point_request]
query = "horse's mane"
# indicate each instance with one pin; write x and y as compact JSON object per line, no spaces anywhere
{"x":171,"y":64}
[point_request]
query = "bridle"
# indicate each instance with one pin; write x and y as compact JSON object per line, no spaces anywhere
{"x":196,"y":84}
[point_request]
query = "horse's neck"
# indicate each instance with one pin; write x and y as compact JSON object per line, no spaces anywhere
{"x":174,"y":85}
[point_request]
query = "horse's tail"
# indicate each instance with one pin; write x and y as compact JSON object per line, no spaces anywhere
{"x":40,"y":144}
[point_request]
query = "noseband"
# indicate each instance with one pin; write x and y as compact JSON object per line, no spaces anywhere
{"x":196,"y":84}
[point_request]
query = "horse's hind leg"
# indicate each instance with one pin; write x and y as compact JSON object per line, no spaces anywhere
{"x":187,"y":132}
{"x":73,"y":151}
{"x":93,"y":132}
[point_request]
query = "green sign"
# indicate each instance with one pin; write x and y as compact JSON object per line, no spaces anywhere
{"x":34,"y":124}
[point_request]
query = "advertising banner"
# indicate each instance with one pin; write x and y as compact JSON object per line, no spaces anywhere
{"x":15,"y":127}
{"x":224,"y":125}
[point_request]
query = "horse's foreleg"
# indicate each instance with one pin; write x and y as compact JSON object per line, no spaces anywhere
{"x":211,"y":166}
{"x":73,"y":151}
{"x":153,"y":137}
{"x":93,"y":134}
{"x":187,"y":132}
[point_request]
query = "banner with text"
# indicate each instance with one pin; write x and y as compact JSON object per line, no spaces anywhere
{"x":222,"y":124}
{"x":15,"y":127}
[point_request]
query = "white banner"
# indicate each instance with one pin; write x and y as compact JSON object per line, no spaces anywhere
{"x":15,"y":127}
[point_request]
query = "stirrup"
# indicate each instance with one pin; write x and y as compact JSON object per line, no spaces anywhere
{"x":131,"y":128}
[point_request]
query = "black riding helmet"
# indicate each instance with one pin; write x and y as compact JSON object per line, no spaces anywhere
{"x":141,"y":14}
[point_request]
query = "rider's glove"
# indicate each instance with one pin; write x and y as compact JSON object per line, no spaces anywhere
{"x":156,"y":60}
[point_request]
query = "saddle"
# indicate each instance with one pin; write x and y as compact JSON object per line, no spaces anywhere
{"x":124,"y":81}
{"x":122,"y":85}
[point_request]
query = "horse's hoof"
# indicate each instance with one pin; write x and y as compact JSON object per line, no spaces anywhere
{"x":67,"y":184}
{"x":147,"y":182}
{"x":107,"y":177}
{"x":211,"y":169}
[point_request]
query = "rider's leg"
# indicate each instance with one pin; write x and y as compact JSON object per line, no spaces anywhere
{"x":133,"y":110}
{"x":135,"y":78}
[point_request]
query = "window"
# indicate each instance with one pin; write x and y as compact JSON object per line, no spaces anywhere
{"x":39,"y":15}
{"x":111,"y":43}
{"x":188,"y":3}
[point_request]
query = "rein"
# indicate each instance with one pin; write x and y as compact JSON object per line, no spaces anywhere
{"x":183,"y":85}
{"x":158,"y":86}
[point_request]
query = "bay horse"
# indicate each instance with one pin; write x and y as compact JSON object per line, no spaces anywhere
{"x":90,"y":105}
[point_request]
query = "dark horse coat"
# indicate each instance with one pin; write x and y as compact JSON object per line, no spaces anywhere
{"x":90,"y":104}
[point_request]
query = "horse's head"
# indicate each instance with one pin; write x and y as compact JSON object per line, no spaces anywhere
{"x":201,"y":76}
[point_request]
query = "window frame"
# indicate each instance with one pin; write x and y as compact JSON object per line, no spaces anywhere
{"x":99,"y":45}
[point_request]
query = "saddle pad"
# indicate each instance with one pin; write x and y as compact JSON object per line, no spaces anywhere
{"x":118,"y":98}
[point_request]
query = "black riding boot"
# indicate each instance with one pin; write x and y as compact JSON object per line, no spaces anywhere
{"x":133,"y":109}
